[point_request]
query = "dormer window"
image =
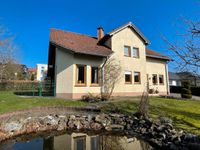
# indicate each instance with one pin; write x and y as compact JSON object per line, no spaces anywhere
{"x":127,"y":51}
{"x":135,"y":52}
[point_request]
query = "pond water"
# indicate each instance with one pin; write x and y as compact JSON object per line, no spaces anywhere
{"x":76,"y":141}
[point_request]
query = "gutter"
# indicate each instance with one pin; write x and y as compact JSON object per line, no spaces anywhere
{"x":159,"y":57}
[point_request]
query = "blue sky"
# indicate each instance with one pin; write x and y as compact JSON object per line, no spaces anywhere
{"x":30,"y":21}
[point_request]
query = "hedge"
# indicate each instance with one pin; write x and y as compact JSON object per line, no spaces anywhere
{"x":17,"y":85}
{"x":177,"y":89}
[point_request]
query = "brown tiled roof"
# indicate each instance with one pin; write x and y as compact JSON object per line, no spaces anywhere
{"x":84,"y":44}
{"x":32,"y":70}
{"x":153,"y":54}
{"x":78,"y":43}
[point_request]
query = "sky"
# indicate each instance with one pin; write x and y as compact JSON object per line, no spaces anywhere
{"x":30,"y":21}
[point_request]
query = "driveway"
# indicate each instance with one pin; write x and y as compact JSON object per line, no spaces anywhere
{"x":179,"y":96}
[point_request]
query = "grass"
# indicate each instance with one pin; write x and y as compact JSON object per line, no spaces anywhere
{"x":184,"y":113}
{"x":10,"y":102}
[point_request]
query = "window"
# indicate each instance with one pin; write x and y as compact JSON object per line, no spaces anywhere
{"x":80,"y":143}
{"x":81,"y":74}
{"x":137,"y":77}
{"x":95,"y":143}
{"x":127,"y":51}
{"x":135,"y":52}
{"x":94,"y":75}
{"x":128,"y":78}
{"x":161,"y":79}
{"x":154,"y":79}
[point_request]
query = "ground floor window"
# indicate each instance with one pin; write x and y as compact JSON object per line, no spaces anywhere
{"x":94,"y":75}
{"x":80,"y":143}
{"x":161,"y":79}
{"x":95,"y":143}
{"x":154,"y":79}
{"x":81,"y":74}
{"x":137,"y":77}
{"x":128,"y":77}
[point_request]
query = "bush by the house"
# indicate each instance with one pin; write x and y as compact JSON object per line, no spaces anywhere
{"x":94,"y":98}
{"x":90,"y":98}
{"x":186,"y":91}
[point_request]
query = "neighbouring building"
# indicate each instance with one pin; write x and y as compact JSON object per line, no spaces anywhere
{"x":74,"y":61}
{"x":175,"y":79}
{"x":32,"y":73}
{"x":41,"y":72}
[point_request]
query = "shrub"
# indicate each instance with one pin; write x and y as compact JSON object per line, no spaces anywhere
{"x":151,"y":91}
{"x":186,"y":93}
{"x":90,"y":98}
{"x":143,"y":109}
{"x":186,"y":84}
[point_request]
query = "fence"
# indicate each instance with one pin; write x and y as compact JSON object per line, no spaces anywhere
{"x":29,"y":88}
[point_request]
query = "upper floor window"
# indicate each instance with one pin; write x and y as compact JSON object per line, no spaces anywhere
{"x":135,"y":52}
{"x":81,"y":74}
{"x":154,"y":79}
{"x":94,"y":75}
{"x":161,"y":79}
{"x":127,"y":51}
{"x":137,"y":77}
{"x":128,"y":77}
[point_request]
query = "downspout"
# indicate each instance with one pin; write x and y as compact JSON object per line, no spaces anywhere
{"x":167,"y":78}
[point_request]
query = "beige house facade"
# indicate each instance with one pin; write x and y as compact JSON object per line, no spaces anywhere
{"x":75,"y":59}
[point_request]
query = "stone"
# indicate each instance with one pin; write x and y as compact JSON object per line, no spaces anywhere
{"x":72,"y":117}
{"x":114,"y":127}
{"x":12,"y":126}
{"x":95,"y":126}
{"x":78,"y":124}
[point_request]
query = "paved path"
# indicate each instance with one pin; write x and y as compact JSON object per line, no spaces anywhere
{"x":179,"y":96}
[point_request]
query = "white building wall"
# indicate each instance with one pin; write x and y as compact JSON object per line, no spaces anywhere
{"x":41,"y":71}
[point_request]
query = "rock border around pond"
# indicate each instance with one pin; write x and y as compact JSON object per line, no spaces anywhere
{"x":158,"y":134}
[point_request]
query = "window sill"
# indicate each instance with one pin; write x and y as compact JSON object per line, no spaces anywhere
{"x":126,"y":56}
{"x":80,"y":85}
{"x":161,"y":84}
{"x":137,"y":82}
{"x":94,"y":85}
{"x":128,"y":83}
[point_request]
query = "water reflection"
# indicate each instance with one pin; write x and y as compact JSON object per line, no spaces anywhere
{"x":79,"y":141}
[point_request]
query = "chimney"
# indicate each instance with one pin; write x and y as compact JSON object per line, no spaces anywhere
{"x":100,"y":33}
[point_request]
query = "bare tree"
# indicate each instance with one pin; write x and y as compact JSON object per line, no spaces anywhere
{"x":8,"y":61}
{"x":187,"y":50}
{"x":111,"y":75}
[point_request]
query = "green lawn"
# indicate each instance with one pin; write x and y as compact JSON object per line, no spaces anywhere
{"x":184,"y":113}
{"x":10,"y":102}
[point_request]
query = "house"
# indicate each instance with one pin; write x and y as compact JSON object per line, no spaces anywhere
{"x":174,"y":79}
{"x":74,"y":60}
{"x":32,"y":73}
{"x":41,"y":72}
{"x":76,"y":141}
